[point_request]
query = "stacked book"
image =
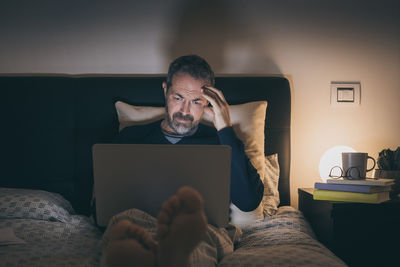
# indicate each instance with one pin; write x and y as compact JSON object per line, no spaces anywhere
{"x":362,"y":191}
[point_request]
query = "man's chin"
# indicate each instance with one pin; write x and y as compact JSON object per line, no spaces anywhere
{"x":182,"y":130}
{"x":185,"y":130}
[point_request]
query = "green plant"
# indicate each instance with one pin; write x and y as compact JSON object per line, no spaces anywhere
{"x":389,"y":160}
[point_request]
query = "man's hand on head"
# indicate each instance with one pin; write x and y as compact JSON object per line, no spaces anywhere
{"x":219,"y":110}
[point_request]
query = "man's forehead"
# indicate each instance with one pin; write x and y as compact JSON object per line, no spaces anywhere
{"x":184,"y":91}
{"x":187,"y":86}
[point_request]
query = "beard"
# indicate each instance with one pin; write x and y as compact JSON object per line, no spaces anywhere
{"x":186,"y":128}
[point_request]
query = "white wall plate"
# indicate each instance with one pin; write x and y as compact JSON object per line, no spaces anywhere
{"x":345,"y":94}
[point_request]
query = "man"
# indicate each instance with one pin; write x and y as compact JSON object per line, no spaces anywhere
{"x":189,"y":92}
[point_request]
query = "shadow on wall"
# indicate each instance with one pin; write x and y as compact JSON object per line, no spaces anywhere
{"x":217,"y":31}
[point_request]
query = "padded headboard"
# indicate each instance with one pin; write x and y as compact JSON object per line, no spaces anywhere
{"x":49,"y":124}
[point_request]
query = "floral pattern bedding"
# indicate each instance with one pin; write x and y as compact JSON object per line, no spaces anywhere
{"x":53,"y":235}
{"x":48,"y":230}
{"x":285,"y":239}
{"x":51,"y":243}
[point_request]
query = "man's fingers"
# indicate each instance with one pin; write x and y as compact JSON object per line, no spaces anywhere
{"x":209,"y":112}
{"x":213,"y":97}
{"x":215,"y":91}
{"x":214,"y":101}
{"x":220,"y":108}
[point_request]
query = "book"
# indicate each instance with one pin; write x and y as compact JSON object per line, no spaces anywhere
{"x":352,"y":187}
{"x":368,"y":181}
{"x":350,"y":196}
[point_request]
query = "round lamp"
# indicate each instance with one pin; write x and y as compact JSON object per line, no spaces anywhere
{"x":331,"y":158}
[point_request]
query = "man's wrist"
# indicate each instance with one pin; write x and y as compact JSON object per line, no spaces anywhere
{"x":227,"y":136}
{"x":222,"y":126}
{"x":225,"y":127}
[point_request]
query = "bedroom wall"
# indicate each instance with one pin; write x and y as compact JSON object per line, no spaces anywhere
{"x":315,"y":42}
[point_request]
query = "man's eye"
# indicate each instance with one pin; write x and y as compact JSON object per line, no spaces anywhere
{"x":198,"y":102}
{"x":177,"y":98}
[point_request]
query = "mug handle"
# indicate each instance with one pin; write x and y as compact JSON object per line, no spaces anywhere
{"x":373,"y":167}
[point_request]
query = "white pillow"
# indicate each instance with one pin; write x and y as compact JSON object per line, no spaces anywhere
{"x":270,"y":198}
{"x":129,"y":115}
{"x":248,"y":122}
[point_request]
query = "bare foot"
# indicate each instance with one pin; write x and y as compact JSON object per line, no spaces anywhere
{"x":130,"y":244}
{"x":181,"y":226}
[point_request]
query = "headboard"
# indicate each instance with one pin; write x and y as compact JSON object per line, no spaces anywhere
{"x":49,"y":124}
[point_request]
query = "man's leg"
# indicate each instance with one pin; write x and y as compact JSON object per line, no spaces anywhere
{"x":217,"y":243}
{"x":181,"y":226}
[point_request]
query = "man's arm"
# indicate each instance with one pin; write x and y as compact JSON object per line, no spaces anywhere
{"x":246,"y":186}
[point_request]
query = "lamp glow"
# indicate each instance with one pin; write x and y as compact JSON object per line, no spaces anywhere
{"x":332,"y":157}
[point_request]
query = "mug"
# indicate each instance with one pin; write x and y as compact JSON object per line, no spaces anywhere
{"x":355,"y":164}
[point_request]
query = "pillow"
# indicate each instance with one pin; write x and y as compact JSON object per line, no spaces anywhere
{"x":271,"y":182}
{"x":129,"y":115}
{"x":18,"y":203}
{"x":271,"y":194}
{"x":248,"y":122}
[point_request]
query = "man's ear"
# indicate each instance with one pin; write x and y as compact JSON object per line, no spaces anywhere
{"x":164,"y":85}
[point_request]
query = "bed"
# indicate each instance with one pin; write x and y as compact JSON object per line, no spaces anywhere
{"x":50,"y":123}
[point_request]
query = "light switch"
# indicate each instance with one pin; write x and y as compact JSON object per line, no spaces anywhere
{"x":345,"y":94}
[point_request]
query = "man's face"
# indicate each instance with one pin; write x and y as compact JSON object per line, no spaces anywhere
{"x":184,"y":104}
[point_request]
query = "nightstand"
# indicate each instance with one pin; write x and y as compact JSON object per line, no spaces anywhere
{"x":360,"y":234}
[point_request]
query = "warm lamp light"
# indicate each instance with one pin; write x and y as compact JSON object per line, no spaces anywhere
{"x":332,"y":157}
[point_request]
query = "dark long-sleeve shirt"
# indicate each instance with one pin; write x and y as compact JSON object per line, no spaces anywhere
{"x":246,"y":187}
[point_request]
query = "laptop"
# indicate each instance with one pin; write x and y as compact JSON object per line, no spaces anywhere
{"x":144,"y":176}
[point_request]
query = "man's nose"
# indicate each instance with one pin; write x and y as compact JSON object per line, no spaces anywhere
{"x":185,"y":107}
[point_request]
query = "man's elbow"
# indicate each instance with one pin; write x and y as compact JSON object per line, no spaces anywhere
{"x":250,"y":206}
{"x":251,"y":203}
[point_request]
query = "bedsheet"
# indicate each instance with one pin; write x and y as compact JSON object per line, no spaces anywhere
{"x":285,"y":239}
{"x":50,"y":243}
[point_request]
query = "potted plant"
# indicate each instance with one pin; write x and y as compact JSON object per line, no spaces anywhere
{"x":389,"y":167}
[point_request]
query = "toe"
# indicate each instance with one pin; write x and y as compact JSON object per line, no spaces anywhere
{"x":162,"y":231}
{"x":120,"y":230}
{"x":174,"y":203}
{"x":163,"y":217}
{"x":190,"y":199}
{"x":147,"y":240}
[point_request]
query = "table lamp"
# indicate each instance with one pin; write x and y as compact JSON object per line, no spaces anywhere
{"x":331,"y":158}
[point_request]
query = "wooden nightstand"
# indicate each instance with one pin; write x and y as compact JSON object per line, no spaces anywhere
{"x":360,"y":234}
